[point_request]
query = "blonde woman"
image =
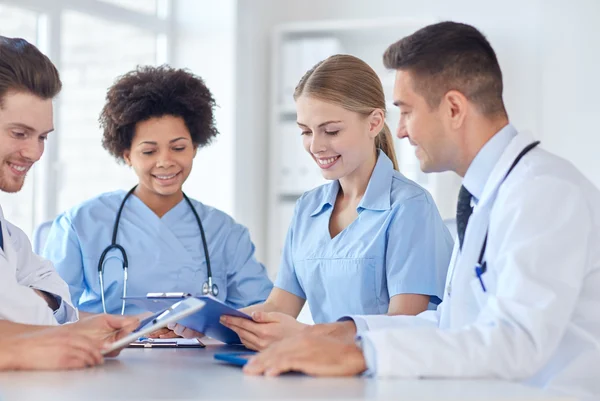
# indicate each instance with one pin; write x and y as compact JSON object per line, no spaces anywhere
{"x":338,"y":255}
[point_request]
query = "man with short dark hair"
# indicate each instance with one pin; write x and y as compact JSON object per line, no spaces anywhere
{"x":522,"y":295}
{"x":31,"y":291}
{"x":32,"y":294}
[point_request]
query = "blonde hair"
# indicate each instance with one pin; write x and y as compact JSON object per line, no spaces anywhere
{"x":349,"y":82}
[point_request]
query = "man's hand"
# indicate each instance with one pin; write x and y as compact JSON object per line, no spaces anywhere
{"x":265,"y":329}
{"x":344,"y":331}
{"x":104,"y":328}
{"x":50,"y":349}
{"x":313,"y":355}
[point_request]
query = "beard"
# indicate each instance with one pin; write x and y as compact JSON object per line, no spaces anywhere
{"x":11,"y":186}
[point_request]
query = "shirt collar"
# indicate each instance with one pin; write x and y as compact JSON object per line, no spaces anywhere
{"x":481,"y":167}
{"x":376,"y":197}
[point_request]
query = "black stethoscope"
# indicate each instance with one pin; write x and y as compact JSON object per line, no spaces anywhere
{"x":207,"y":288}
{"x":481,"y":266}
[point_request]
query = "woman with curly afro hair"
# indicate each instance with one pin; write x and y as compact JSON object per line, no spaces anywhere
{"x":154,"y":120}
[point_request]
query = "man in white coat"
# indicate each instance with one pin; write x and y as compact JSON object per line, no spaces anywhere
{"x":31,"y":291}
{"x":522,"y":295}
{"x":33,"y":297}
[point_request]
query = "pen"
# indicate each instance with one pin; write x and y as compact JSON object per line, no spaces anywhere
{"x":479,"y":270}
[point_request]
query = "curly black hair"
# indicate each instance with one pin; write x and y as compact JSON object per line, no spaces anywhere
{"x":148,"y":92}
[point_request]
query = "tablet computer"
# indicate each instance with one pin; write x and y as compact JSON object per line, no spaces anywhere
{"x":235,"y":358}
{"x":205,"y":321}
{"x":173,"y":313}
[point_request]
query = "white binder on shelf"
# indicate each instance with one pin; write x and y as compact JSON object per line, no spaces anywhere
{"x":299,"y":56}
{"x":291,"y":146}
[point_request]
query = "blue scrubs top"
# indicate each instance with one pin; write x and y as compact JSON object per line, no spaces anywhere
{"x":398,"y":244}
{"x":165,"y":254}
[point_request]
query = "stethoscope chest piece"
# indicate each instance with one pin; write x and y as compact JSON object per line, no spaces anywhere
{"x":210,"y":289}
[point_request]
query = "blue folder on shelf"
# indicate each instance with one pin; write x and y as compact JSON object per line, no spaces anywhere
{"x":206,"y":320}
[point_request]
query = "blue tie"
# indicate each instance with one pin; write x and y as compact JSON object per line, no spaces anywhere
{"x":1,"y":238}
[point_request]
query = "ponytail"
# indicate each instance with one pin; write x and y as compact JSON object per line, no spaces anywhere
{"x":385,"y":142}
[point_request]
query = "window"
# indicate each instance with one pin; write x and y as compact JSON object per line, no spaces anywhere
{"x":144,"y":6}
{"x":93,"y":55}
{"x":18,"y":22}
{"x":91,"y":45}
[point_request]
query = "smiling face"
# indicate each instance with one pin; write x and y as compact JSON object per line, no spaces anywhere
{"x":425,"y":128}
{"x":25,"y":122}
{"x":339,"y":141}
{"x":161,"y":154}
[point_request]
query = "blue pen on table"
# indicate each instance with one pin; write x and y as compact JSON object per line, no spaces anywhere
{"x":479,"y":270}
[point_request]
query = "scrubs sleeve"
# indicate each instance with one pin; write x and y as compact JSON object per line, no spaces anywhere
{"x":287,"y":279}
{"x":247,"y":279}
{"x":64,"y":250}
{"x":419,"y":248}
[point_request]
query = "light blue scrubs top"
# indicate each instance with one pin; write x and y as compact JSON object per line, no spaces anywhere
{"x":398,"y":244}
{"x":165,"y":254}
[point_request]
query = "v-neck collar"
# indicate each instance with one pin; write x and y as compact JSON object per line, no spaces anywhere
{"x":175,"y":210}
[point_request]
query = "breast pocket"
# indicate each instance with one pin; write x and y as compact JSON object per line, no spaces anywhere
{"x":191,"y":278}
{"x":339,"y":287}
{"x":487,"y":281}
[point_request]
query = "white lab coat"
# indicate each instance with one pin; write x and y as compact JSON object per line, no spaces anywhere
{"x":20,"y":271}
{"x":539,"y":320}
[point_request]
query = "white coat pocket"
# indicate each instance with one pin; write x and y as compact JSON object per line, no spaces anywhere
{"x":487,"y":280}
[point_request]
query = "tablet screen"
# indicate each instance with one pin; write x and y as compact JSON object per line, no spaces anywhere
{"x":159,"y":320}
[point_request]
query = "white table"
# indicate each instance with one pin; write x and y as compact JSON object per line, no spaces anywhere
{"x":193,"y":374}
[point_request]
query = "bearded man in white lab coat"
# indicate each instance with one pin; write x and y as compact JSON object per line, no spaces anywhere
{"x":32,"y":294}
{"x":522,"y":295}
{"x":31,"y":291}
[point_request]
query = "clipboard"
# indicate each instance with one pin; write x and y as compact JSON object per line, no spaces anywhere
{"x":235,"y":358}
{"x":167,"y":343}
{"x":204,"y":321}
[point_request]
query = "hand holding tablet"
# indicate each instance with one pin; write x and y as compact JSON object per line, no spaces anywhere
{"x":174,"y":313}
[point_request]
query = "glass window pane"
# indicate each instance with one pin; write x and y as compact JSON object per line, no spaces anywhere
{"x":17,"y":22}
{"x":144,"y":6}
{"x":18,"y":207}
{"x":94,"y":53}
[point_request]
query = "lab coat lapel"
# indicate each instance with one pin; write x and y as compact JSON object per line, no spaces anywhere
{"x":4,"y":236}
{"x":464,"y":307}
{"x":9,"y":254}
{"x":447,"y":301}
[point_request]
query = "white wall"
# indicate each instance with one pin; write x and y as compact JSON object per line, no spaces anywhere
{"x":570,"y":76}
{"x":205,"y":44}
{"x":545,"y":49}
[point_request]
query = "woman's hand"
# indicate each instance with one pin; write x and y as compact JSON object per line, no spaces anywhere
{"x":165,"y":332}
{"x":265,"y":328}
{"x":185,"y":332}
